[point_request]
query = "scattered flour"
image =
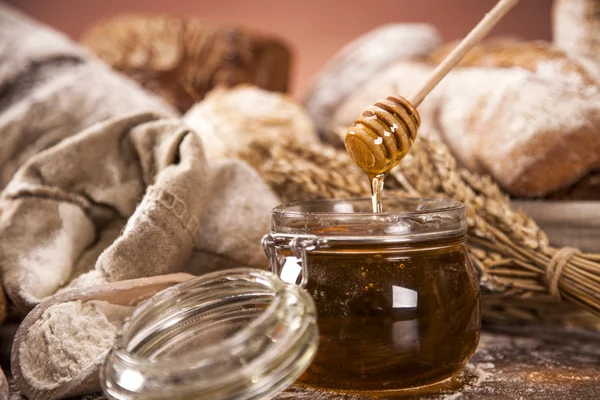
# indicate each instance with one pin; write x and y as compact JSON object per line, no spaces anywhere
{"x":68,"y":338}
{"x":479,"y":370}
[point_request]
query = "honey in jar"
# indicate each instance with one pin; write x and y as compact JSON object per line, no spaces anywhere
{"x":397,"y":297}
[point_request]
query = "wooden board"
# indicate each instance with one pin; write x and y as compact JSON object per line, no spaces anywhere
{"x":510,"y":363}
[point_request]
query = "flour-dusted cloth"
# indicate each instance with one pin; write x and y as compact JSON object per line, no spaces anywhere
{"x":50,"y":89}
{"x":148,"y":171}
{"x":108,"y":187}
{"x":57,"y":205}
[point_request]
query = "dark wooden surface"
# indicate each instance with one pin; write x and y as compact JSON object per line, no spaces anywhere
{"x":510,"y":363}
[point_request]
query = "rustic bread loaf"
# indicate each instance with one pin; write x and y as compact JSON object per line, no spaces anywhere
{"x":230,"y":118}
{"x":547,"y":62}
{"x":532,"y":132}
{"x":183,"y":59}
{"x":361,"y":59}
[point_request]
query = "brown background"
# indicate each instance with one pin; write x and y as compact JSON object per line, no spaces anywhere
{"x":315,"y":29}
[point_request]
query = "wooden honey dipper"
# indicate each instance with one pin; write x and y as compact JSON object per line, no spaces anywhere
{"x":386,"y":130}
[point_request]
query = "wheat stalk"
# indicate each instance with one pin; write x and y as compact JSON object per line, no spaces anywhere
{"x":510,"y":251}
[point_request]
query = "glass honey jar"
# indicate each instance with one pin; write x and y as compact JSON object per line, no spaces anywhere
{"x":397,"y":297}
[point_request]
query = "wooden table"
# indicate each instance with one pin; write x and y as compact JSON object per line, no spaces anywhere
{"x":510,"y":363}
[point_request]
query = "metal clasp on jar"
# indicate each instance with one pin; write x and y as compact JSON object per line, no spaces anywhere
{"x":300,"y":246}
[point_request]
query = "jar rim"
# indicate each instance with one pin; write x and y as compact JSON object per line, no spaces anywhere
{"x":414,"y":205}
{"x":407,"y":219}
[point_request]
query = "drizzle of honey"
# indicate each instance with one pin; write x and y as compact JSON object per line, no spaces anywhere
{"x":380,"y":138}
{"x":377,"y":192}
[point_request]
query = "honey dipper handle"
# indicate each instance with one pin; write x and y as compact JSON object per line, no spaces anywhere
{"x":474,"y":37}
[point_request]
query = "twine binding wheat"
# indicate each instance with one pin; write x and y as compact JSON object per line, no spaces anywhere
{"x":510,"y":251}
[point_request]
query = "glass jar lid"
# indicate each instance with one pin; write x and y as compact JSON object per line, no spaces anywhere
{"x":235,"y":334}
{"x":404,"y":220}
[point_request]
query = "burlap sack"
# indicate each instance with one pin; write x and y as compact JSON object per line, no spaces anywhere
{"x":59,"y":204}
{"x":74,"y":205}
{"x":51,"y":89}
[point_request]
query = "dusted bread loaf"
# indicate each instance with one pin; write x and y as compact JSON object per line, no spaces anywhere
{"x":576,"y":26}
{"x":557,"y":67}
{"x":532,"y":132}
{"x":524,"y":112}
{"x":229,"y":119}
{"x":361,"y":59}
{"x":183,"y":59}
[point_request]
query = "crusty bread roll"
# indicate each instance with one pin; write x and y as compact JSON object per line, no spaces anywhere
{"x":548,"y":63}
{"x":576,"y":28}
{"x":531,"y":133}
{"x":182,"y":59}
{"x":229,"y":119}
{"x":358,"y":61}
